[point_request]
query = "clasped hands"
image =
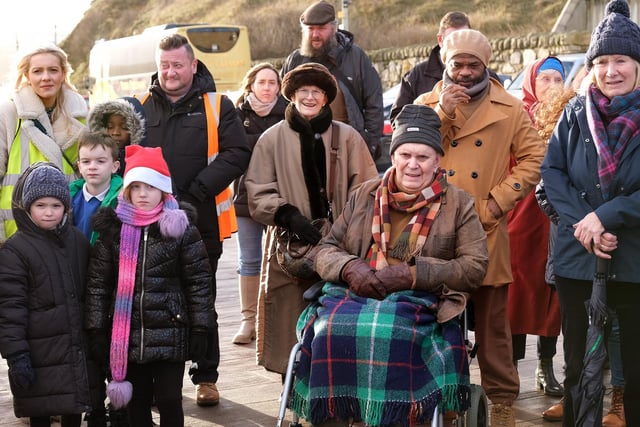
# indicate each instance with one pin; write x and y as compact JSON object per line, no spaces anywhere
{"x":370,"y":283}
{"x":590,"y":232}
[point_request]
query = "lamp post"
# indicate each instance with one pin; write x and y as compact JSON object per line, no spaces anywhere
{"x":345,"y":14}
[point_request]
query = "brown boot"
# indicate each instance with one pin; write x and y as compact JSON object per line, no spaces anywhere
{"x":207,"y":394}
{"x":502,"y":416}
{"x":248,"y":287}
{"x":555,"y":412}
{"x":615,"y":416}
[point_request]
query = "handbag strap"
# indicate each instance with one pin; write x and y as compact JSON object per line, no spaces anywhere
{"x":333,"y":159}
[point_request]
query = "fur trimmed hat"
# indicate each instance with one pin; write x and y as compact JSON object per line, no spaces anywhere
{"x":616,"y":34}
{"x":45,"y":180}
{"x":309,"y":74}
{"x":471,"y":42}
{"x":129,"y":108}
{"x":146,"y":164}
{"x":417,"y":124}
{"x":318,"y":13}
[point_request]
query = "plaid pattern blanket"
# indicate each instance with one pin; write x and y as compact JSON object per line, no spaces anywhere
{"x":381,"y":362}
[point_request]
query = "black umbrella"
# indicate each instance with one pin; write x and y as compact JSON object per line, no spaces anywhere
{"x":587,"y":395}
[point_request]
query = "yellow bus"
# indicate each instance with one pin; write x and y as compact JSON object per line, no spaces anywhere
{"x":123,"y":67}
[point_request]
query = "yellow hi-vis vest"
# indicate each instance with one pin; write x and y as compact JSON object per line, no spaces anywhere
{"x":23,"y":154}
{"x":227,"y":223}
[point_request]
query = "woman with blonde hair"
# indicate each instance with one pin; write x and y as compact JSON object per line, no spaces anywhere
{"x":41,"y":121}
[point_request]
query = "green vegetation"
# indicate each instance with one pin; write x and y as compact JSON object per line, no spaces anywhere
{"x":274,"y":28}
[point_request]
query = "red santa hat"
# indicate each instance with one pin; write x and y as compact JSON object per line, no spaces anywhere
{"x":146,"y":164}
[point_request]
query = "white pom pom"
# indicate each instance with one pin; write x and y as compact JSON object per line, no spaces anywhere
{"x":119,"y":393}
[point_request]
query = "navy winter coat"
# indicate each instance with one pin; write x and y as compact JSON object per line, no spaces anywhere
{"x":570,"y":175}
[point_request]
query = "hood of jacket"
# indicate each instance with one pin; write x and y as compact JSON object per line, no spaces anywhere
{"x":23,"y":218}
{"x":134,"y":118}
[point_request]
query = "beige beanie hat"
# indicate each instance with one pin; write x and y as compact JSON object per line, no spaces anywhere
{"x":472,"y":42}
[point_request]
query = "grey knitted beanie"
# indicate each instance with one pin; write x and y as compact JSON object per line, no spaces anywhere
{"x":616,"y":34}
{"x":417,"y":124}
{"x":46,"y":181}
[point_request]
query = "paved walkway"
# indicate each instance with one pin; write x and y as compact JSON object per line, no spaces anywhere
{"x":249,"y":394}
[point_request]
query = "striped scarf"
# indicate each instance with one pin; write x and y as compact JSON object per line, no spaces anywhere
{"x":425,"y":206}
{"x":613,"y":124}
{"x":133,"y":220}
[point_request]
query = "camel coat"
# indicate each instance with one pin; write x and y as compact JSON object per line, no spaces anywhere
{"x":477,"y":157}
{"x":275,"y":178}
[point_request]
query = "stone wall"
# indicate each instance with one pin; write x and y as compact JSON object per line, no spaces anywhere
{"x":510,"y":54}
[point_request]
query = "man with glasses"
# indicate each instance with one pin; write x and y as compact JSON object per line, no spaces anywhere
{"x":359,"y":99}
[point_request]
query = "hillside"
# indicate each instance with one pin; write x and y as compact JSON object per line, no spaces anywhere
{"x":274,"y":28}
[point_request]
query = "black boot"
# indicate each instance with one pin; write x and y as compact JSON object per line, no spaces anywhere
{"x":546,"y":379}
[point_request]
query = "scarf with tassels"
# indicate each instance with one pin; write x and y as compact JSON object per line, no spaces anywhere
{"x":425,"y":206}
{"x":613,"y":124}
{"x":172,"y":222}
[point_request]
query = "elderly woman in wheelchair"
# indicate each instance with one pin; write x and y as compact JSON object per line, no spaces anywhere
{"x":383,"y":343}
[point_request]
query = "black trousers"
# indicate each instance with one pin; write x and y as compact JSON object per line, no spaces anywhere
{"x":207,"y":371}
{"x":162,"y":380}
{"x":546,"y":346}
{"x":624,"y":299}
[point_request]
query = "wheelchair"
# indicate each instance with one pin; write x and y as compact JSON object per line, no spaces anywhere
{"x":477,"y":415}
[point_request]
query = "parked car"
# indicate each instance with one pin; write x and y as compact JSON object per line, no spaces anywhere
{"x":388,"y":98}
{"x":573,"y":64}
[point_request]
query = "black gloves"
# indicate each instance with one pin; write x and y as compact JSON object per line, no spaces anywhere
{"x":99,"y":347}
{"x":21,"y":373}
{"x":197,"y":345}
{"x":289,"y":217}
{"x":362,"y":279}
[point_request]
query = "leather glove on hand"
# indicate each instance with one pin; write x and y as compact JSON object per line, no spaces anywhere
{"x":362,"y":280}
{"x":21,"y":374}
{"x":197,"y":345}
{"x":289,"y":216}
{"x":99,"y":347}
{"x":396,"y":277}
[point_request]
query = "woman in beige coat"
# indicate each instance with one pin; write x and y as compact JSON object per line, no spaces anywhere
{"x":287,"y":183}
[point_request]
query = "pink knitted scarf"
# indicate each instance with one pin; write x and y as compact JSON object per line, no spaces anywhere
{"x":173,"y":223}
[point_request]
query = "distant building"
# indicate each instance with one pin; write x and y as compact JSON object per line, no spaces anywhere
{"x":584,"y":15}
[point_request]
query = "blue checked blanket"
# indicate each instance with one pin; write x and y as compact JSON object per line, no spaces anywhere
{"x":381,"y":362}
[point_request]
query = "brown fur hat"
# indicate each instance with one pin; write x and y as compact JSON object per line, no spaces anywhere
{"x":309,"y":74}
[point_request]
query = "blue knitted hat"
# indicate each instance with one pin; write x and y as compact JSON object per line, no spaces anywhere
{"x":616,"y":34}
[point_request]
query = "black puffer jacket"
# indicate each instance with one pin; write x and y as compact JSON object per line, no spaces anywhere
{"x":41,"y":292}
{"x":254,"y":126}
{"x":172,"y":291}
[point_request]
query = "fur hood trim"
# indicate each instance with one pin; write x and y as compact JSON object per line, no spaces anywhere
{"x":134,"y":118}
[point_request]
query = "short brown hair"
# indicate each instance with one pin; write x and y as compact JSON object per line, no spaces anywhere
{"x":93,"y":139}
{"x":454,"y":20}
{"x":176,"y":41}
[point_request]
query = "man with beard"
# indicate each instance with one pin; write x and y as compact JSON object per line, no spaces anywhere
{"x":493,"y":152}
{"x":359,"y":99}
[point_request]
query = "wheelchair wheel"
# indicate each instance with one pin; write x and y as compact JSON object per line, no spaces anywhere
{"x":478,"y":413}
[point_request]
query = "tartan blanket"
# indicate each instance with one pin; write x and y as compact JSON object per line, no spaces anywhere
{"x":381,"y":362}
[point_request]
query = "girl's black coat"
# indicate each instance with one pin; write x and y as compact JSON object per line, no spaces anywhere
{"x":172,"y":292}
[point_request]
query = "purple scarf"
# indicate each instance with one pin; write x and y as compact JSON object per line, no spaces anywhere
{"x":613,"y":124}
{"x":173,"y":222}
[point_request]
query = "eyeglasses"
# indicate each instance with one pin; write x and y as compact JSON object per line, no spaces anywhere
{"x":304,"y":93}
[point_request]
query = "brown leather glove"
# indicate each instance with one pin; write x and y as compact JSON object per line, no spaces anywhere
{"x":396,"y":277}
{"x":362,"y":280}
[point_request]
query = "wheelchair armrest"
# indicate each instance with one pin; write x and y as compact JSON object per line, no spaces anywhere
{"x":314,"y":291}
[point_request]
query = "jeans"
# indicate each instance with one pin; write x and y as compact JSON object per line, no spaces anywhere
{"x":249,"y":238}
{"x":615,"y":355}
